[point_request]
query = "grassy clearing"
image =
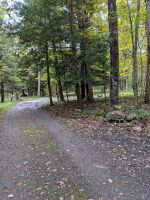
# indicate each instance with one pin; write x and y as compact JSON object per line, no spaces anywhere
{"x":30,"y":98}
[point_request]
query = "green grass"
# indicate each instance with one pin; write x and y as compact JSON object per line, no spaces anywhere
{"x":30,"y":98}
{"x":126,"y":94}
{"x":99,"y":94}
{"x":4,"y":107}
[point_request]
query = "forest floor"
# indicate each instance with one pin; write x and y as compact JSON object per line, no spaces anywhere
{"x":70,"y":153}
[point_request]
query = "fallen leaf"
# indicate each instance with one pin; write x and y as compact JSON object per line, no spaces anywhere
{"x":81,"y":190}
{"x":19,"y":184}
{"x":10,"y":195}
{"x":72,"y":197}
{"x":110,"y":180}
{"x":62,"y":184}
{"x":39,"y":188}
{"x":48,"y":163}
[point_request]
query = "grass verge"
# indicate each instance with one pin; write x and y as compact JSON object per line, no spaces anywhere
{"x":4,"y":107}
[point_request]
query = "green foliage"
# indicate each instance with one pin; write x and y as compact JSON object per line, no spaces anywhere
{"x":37,"y":22}
{"x":142,"y":113}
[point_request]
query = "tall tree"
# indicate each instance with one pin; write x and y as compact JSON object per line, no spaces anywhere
{"x":57,"y":71}
{"x":74,"y":48}
{"x":134,"y":35}
{"x":114,"y":51}
{"x":147,"y":91}
{"x":86,"y":82}
{"x":48,"y":72}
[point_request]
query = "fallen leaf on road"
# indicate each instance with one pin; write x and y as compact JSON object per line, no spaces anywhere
{"x":10,"y":195}
{"x":81,"y":190}
{"x":48,"y":163}
{"x":110,"y":180}
{"x":62,"y":184}
{"x":72,"y":197}
{"x":19,"y":184}
{"x":39,"y":188}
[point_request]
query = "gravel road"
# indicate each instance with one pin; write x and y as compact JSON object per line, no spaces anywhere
{"x":43,"y":159}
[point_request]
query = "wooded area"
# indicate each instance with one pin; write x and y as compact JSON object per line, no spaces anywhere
{"x":74,"y":99}
{"x":75,"y":47}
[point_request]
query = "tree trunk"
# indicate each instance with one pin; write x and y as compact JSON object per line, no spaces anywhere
{"x":142,"y":72}
{"x":67,"y":95}
{"x":114,"y":52}
{"x":147,"y":91}
{"x":39,"y":82}
{"x":2,"y":92}
{"x":127,"y":85}
{"x":48,"y":74}
{"x":57,"y":94}
{"x":74,"y":50}
{"x":134,"y":48}
{"x":23,"y":93}
{"x":86,"y":74}
{"x":89,"y":89}
{"x":83,"y":89}
{"x":60,"y":89}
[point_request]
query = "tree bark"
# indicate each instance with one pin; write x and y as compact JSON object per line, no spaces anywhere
{"x":39,"y":82}
{"x":60,"y":89}
{"x":147,"y":91}
{"x":114,"y":52}
{"x":74,"y":49}
{"x":83,"y":91}
{"x":134,"y":48}
{"x":127,"y":85}
{"x":86,"y":82}
{"x":48,"y":74}
{"x":2,"y":92}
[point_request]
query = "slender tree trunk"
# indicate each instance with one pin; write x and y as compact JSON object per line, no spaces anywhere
{"x":147,"y":91}
{"x":142,"y":67}
{"x":114,"y":52}
{"x":57,"y":94}
{"x":39,"y":82}
{"x":83,"y":88}
{"x":135,"y":65}
{"x":67,"y":95}
{"x":134,"y":48}
{"x":89,"y":89}
{"x":23,"y":93}
{"x":74,"y":50}
{"x":60,"y":89}
{"x":48,"y":74}
{"x":127,"y":85}
{"x":2,"y":92}
{"x":12,"y":95}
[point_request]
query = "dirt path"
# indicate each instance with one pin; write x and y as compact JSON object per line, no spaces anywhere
{"x":43,"y":159}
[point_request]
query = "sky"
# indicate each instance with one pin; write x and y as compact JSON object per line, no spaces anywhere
{"x":11,"y":17}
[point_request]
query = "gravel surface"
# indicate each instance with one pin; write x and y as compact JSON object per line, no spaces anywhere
{"x":43,"y":159}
